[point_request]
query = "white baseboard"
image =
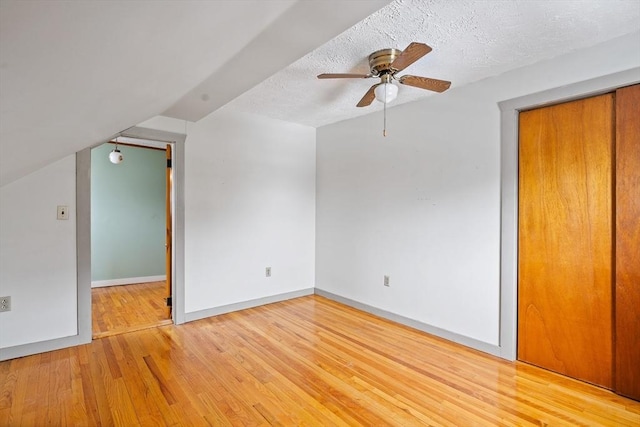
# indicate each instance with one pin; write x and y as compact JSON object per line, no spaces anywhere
{"x":415,"y":324}
{"x":209,"y":312}
{"x":127,"y":281}
{"x":29,"y":349}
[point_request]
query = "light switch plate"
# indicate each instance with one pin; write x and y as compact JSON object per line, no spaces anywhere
{"x":63,"y":212}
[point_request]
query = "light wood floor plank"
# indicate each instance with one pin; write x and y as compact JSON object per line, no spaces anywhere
{"x":127,"y":308}
{"x":308,"y":361}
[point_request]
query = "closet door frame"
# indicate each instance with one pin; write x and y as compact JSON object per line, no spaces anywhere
{"x":509,"y":116}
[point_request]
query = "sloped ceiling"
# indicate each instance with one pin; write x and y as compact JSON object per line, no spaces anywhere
{"x":74,"y":73}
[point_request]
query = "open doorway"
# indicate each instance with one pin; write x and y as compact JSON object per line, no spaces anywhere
{"x":131,"y":235}
{"x":83,"y":226}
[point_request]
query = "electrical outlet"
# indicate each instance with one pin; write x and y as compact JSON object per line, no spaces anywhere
{"x":5,"y":303}
{"x":267,"y":271}
{"x":386,"y":280}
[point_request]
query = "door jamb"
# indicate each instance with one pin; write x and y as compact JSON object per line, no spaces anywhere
{"x":509,"y":115}
{"x":83,"y":216}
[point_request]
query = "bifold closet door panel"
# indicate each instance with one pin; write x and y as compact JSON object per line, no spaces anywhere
{"x":627,"y":277}
{"x":565,"y":238}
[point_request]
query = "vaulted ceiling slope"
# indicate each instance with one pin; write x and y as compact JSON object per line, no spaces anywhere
{"x":74,"y":73}
{"x":471,"y":40}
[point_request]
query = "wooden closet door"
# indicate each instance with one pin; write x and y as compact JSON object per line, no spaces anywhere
{"x":565,"y":239}
{"x":627,"y":288}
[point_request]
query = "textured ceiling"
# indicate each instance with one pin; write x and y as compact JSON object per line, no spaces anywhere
{"x":471,"y":40}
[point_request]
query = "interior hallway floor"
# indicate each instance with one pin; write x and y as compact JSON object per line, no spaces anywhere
{"x":128,"y":308}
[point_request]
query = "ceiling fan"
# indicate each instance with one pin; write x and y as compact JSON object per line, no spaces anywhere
{"x":385,"y":63}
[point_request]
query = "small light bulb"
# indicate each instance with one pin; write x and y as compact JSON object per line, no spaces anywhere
{"x":115,"y":156}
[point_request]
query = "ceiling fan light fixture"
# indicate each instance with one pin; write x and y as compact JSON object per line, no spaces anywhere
{"x":386,"y":92}
{"x":385,"y":63}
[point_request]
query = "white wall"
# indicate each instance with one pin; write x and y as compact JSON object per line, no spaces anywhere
{"x":167,"y":124}
{"x":250,"y":190}
{"x":423,"y":204}
{"x":38,"y":256}
{"x":249,"y":204}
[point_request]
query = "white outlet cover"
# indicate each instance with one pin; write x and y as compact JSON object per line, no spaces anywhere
{"x":63,"y":212}
{"x":5,"y":303}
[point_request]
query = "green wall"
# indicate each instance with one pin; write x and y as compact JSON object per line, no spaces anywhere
{"x":127,"y":213}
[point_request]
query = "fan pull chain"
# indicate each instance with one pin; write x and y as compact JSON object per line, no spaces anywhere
{"x":384,"y":126}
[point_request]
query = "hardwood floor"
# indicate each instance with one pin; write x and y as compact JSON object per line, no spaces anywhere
{"x":307,"y":361}
{"x":128,"y":308}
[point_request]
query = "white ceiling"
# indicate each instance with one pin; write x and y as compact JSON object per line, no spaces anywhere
{"x":471,"y":40}
{"x":75,"y":73}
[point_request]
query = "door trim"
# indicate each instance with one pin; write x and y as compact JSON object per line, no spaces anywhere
{"x":83,"y":215}
{"x":509,"y":115}
{"x":169,"y":230}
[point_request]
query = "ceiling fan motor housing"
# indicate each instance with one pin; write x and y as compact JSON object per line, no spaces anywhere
{"x":380,"y":61}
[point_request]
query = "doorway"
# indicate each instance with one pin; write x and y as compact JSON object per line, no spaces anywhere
{"x":83,"y":226}
{"x":131,"y":227}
